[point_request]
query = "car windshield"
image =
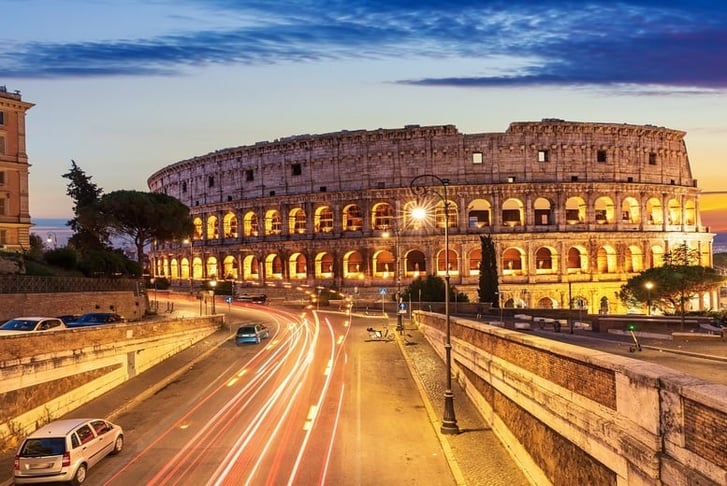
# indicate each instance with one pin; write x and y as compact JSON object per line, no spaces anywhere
{"x":92,"y":318}
{"x":47,"y":446}
{"x":246,"y":330}
{"x":19,"y":325}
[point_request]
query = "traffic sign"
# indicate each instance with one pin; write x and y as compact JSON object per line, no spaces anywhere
{"x":382,"y":291}
{"x":228,"y":299}
{"x":402,"y":307}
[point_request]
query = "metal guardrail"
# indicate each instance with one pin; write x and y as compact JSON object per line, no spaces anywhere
{"x":32,"y":284}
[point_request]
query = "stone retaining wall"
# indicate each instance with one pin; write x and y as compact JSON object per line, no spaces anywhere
{"x":572,"y":415}
{"x":46,"y":375}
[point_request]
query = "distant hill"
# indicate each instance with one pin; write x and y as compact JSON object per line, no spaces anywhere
{"x":716,"y":219}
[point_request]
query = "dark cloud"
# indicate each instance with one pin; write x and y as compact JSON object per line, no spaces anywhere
{"x":604,"y":43}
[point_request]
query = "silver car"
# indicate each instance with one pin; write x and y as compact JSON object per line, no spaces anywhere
{"x":64,"y":450}
{"x":22,"y":325}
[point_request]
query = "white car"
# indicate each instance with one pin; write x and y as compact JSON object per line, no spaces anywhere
{"x":22,"y":325}
{"x":64,"y":450}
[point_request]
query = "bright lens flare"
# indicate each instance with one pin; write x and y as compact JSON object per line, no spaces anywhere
{"x":419,"y":213}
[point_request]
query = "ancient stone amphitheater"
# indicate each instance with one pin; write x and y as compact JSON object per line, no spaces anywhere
{"x":574,"y":210}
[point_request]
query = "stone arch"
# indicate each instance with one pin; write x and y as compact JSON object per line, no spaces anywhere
{"x":211,"y":268}
{"x":577,"y":259}
{"x":229,"y":266}
{"x":273,"y":222}
{"x":384,"y":264}
{"x":512,"y":212}
{"x":297,"y":221}
{"x":630,"y":212}
{"x":452,"y":214}
{"x":324,"y":265}
{"x":603,"y":210}
{"x":543,"y":211}
{"x":297,"y":266}
{"x":250,"y":224}
{"x":690,"y":212}
{"x":174,"y":268}
{"x":273,"y":266}
{"x":513,"y":261}
{"x":251,"y":268}
{"x":352,"y":218}
{"x":657,"y":256}
{"x":633,"y":259}
{"x":575,"y":210}
{"x":546,"y":260}
{"x":197,"y":268}
{"x":213,"y":231}
{"x":674,"y":212}
{"x":354,"y":265}
{"x":229,"y":225}
{"x":197,"y":222}
{"x":606,"y":259}
{"x":382,"y":216}
{"x":444,"y":261}
{"x":479,"y":213}
{"x":546,"y":303}
{"x":323,"y":219}
{"x":416,"y":264}
{"x":654,"y":211}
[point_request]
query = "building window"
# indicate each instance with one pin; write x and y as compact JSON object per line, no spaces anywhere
{"x":211,"y":181}
{"x":2,"y":118}
{"x":652,"y":158}
{"x":2,"y":206}
{"x":184,"y":187}
{"x":249,"y":175}
{"x":542,"y":156}
{"x":2,"y":145}
{"x":3,"y":237}
{"x":477,"y":158}
{"x":297,"y":169}
{"x":601,"y":156}
{"x":2,"y":178}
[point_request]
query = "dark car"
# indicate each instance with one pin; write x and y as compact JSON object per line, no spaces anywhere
{"x":69,"y":318}
{"x":96,"y":319}
{"x":255,"y":299}
{"x":253,"y":332}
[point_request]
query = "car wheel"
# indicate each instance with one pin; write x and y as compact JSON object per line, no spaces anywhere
{"x":80,"y":476}
{"x":118,"y":445}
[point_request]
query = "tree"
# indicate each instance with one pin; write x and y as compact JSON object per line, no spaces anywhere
{"x":488,"y":290}
{"x":145,"y":216}
{"x":672,"y":285}
{"x":432,"y":290}
{"x":90,"y":231}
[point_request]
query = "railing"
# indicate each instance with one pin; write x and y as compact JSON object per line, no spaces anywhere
{"x":31,"y":284}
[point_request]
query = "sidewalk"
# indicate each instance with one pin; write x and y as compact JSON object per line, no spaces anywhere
{"x":476,"y":455}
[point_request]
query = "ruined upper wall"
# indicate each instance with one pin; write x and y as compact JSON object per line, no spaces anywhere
{"x":549,"y":151}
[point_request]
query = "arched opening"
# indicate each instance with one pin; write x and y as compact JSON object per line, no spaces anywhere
{"x":543,"y":210}
{"x":512,"y":212}
{"x":478,"y":215}
{"x":575,"y":210}
{"x":352,"y":218}
{"x":250,"y":224}
{"x":297,"y":222}
{"x":382,"y":216}
{"x":323,"y":220}
{"x":229,"y":225}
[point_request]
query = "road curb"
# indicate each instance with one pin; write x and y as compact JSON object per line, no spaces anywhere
{"x":433,"y":417}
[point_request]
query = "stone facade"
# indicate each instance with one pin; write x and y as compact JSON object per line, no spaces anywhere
{"x":14,"y":197}
{"x":574,"y":209}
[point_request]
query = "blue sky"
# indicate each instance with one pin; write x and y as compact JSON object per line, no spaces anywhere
{"x":127,"y":87}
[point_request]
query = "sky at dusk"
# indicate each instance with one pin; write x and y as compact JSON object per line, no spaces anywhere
{"x":125,"y":88}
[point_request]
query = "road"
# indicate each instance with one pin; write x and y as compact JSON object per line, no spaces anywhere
{"x":299,"y":408}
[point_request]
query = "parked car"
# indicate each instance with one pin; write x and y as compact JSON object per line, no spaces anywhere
{"x":96,"y":318}
{"x":253,"y":332}
{"x":64,"y":450}
{"x":22,"y":325}
{"x":255,"y":299}
{"x":69,"y":318}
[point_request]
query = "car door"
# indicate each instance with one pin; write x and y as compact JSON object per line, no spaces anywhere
{"x":90,"y":444}
{"x":103,"y":437}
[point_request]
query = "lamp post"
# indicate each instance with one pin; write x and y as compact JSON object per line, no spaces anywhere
{"x":649,"y":285}
{"x":449,"y":420}
{"x":154,"y":283}
{"x":213,"y":284}
{"x":52,"y":239}
{"x":397,"y":275}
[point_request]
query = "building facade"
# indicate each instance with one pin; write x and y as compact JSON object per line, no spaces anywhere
{"x":574,"y":210}
{"x":14,"y":198}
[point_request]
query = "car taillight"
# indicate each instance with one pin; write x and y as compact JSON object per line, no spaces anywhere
{"x":66,"y":459}
{"x":17,"y":463}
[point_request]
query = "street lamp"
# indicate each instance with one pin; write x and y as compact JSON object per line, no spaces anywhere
{"x":188,"y":241}
{"x":397,"y":275}
{"x":449,"y":420}
{"x":53,"y":239}
{"x":649,"y":285}
{"x":213,"y":284}
{"x":154,"y":283}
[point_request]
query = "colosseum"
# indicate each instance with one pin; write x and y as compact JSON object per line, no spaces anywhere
{"x":574,"y":210}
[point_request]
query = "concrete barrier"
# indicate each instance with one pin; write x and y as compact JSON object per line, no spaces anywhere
{"x":46,"y":375}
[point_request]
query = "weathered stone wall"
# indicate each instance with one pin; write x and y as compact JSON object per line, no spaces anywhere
{"x":577,"y":416}
{"x":128,"y":304}
{"x":46,"y":375}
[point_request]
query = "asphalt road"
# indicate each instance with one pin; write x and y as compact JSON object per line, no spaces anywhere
{"x":316,"y":403}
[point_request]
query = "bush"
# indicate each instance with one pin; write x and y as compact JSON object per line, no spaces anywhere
{"x":65,"y":257}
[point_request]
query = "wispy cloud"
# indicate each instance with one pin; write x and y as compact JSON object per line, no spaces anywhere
{"x":598,"y":43}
